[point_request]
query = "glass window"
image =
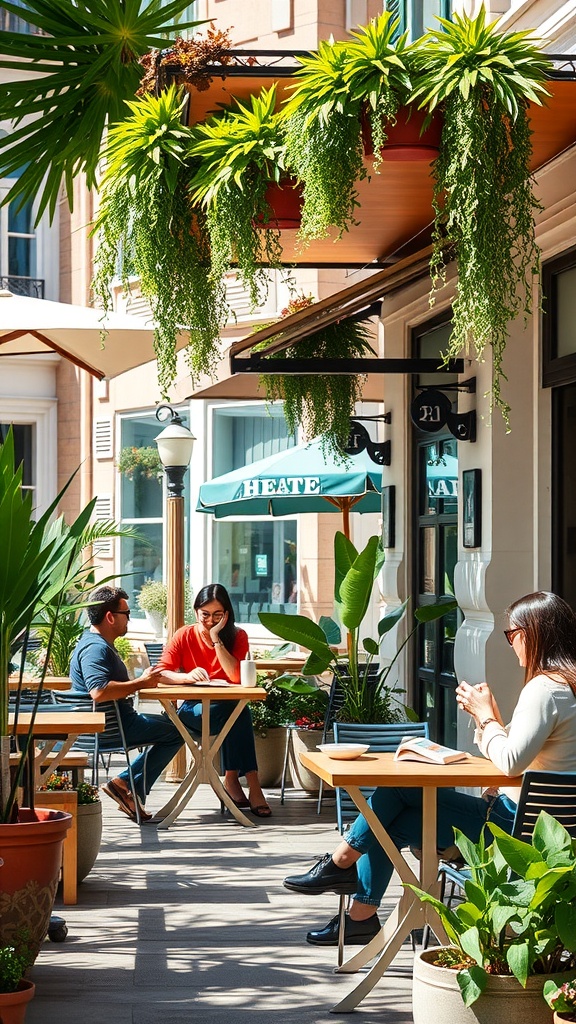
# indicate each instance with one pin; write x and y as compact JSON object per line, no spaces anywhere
{"x":21,"y":242}
{"x":141,"y":505}
{"x":24,"y":445}
{"x":566,"y":313}
{"x":255,"y":559}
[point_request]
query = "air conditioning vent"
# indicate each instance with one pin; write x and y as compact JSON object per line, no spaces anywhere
{"x":103,"y":448}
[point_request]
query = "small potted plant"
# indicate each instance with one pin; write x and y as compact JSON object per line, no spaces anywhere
{"x":145,"y":461}
{"x":510,"y":934}
{"x":15,"y":990}
{"x":89,"y":819}
{"x":561,"y":999}
{"x":153,"y":600}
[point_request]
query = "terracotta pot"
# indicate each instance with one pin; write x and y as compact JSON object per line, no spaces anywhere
{"x":32,"y":855}
{"x":89,"y":837}
{"x":270,"y":756}
{"x":285,"y":201}
{"x":405,"y":141}
{"x":436,"y":997}
{"x":13,"y":1005}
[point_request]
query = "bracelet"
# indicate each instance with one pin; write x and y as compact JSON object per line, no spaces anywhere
{"x":217,"y":643}
{"x":482,"y":725}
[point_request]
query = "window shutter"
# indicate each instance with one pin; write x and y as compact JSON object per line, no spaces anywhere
{"x":103,"y":512}
{"x":103,"y":438}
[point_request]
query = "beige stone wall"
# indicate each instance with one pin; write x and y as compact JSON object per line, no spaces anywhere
{"x":301,"y":22}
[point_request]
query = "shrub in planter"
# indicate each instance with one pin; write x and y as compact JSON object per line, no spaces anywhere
{"x":561,"y":999}
{"x":153,"y":600}
{"x":518,"y":917}
{"x":89,"y":812}
{"x":15,"y":991}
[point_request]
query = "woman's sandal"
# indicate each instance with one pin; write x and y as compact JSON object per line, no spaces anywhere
{"x":244,"y":802}
{"x":261,"y":811}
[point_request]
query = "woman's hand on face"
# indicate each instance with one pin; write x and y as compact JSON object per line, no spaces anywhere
{"x":476,"y":700}
{"x":218,"y":627}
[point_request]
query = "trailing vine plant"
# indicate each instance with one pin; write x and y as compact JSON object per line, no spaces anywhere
{"x":484,"y":203}
{"x":321,"y":404}
{"x":148,"y":227}
{"x":239,"y":154}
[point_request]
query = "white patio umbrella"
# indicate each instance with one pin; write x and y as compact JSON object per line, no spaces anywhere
{"x":30,"y":325}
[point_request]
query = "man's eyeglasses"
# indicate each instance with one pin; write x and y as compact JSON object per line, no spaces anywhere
{"x":511,"y":633}
{"x":127,"y":614}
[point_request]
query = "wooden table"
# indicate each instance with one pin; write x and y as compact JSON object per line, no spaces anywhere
{"x":54,"y":727}
{"x":280,"y":665}
{"x":203,"y":750}
{"x":32,"y":683}
{"x":409,"y":913}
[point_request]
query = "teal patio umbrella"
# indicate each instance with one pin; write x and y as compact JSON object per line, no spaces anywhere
{"x":299,"y":479}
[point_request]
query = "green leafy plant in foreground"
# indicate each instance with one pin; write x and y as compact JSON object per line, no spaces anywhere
{"x":519,"y":912}
{"x":14,"y":962}
{"x":365,"y":699}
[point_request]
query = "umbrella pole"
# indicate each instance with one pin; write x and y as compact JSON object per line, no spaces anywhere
{"x":346,"y":505}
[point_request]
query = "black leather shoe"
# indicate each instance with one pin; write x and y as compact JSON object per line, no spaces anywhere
{"x":325,"y":877}
{"x":356,"y":933}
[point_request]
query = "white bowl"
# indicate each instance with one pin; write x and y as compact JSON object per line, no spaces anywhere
{"x":344,"y":751}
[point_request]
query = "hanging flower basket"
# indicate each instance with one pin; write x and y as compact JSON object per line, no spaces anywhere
{"x":406,"y":142}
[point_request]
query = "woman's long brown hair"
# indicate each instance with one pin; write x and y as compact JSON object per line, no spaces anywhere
{"x":549,"y":627}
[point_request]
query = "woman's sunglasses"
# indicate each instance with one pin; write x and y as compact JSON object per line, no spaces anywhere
{"x":511,"y":633}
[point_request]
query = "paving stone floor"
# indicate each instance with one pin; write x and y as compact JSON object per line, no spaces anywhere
{"x":193,"y":924}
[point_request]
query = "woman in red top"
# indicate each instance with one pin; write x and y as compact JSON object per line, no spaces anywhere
{"x":212,"y":649}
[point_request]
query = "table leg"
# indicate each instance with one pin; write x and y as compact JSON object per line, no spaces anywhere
{"x":202,"y":768}
{"x":408,"y":913}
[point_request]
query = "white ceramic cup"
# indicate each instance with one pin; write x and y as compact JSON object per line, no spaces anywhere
{"x":248,"y":673}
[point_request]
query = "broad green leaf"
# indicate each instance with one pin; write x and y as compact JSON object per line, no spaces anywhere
{"x":518,"y":959}
{"x":331,"y":630}
{"x":296,"y":629}
{"x":431,"y":612}
{"x":391,"y":619}
{"x":565,"y":920}
{"x":471,"y":982}
{"x":470,"y":943}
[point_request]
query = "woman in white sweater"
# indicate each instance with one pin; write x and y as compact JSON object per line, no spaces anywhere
{"x":541,"y":735}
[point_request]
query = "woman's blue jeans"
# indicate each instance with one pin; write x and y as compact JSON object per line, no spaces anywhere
{"x":400,"y":811}
{"x":238,"y":749}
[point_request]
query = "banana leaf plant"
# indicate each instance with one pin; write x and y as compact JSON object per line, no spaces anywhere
{"x":366,"y":698}
{"x":41,"y":561}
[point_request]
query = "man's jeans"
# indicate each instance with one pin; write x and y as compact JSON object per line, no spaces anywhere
{"x":141,"y":730}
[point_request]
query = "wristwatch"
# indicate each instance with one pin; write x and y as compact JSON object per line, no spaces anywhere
{"x":482,"y":725}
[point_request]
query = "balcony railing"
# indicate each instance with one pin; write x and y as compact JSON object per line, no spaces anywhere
{"x":32,"y":287}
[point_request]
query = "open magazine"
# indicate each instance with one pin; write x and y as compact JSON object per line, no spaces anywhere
{"x":418,"y":748}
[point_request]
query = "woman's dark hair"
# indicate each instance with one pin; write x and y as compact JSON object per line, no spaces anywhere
{"x":549,"y":627}
{"x":216,"y":592}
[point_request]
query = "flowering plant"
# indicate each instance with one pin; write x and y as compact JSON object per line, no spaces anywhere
{"x":140,"y":460}
{"x":561,"y":998}
{"x":315,"y":720}
{"x":87,"y":794}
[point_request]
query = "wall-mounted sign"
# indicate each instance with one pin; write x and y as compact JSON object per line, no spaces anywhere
{"x":261,"y":565}
{"x":431,"y":411}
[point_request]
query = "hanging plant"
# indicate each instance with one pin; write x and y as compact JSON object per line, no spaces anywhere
{"x":239,"y":153}
{"x":484,"y":203}
{"x":324,"y":142}
{"x":187,"y":61}
{"x":148,"y":227}
{"x":321,"y":404}
{"x":143,"y":461}
{"x":377,"y":75}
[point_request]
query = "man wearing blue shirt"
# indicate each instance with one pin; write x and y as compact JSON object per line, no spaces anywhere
{"x":96,"y":668}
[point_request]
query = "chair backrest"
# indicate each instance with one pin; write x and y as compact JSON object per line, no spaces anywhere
{"x":154,"y":651}
{"x":382,"y":739}
{"x":553,"y":792}
{"x":29,"y":697}
{"x":336,"y":696}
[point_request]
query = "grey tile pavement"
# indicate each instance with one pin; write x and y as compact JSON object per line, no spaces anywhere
{"x":193,"y":924}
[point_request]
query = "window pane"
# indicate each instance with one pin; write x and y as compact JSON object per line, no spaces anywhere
{"x":428,"y":561}
{"x":23,"y":449}
{"x":141,"y":496}
{"x":257,"y":562}
{"x":242,"y":436}
{"x":566,"y":312}
{"x":142,"y":559}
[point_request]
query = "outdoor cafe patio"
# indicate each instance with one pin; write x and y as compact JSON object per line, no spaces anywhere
{"x":193,"y":923}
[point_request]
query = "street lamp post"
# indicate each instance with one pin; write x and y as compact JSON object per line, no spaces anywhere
{"x":175,"y":444}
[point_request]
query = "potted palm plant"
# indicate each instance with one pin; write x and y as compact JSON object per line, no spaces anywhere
{"x":241,"y":158}
{"x":508,"y":936}
{"x":484,"y":204}
{"x":38,"y":567}
{"x":366,"y":699}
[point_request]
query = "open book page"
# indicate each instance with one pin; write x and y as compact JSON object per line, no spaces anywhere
{"x":213,"y":682}
{"x":418,"y":748}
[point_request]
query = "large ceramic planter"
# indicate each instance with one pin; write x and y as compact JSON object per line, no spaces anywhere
{"x":89,"y":837}
{"x":436,"y":997}
{"x":305,"y":741}
{"x":13,"y":1005}
{"x":156,"y":621}
{"x":270,"y":749}
{"x":32,"y":855}
{"x":406,"y":142}
{"x":285,"y":201}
